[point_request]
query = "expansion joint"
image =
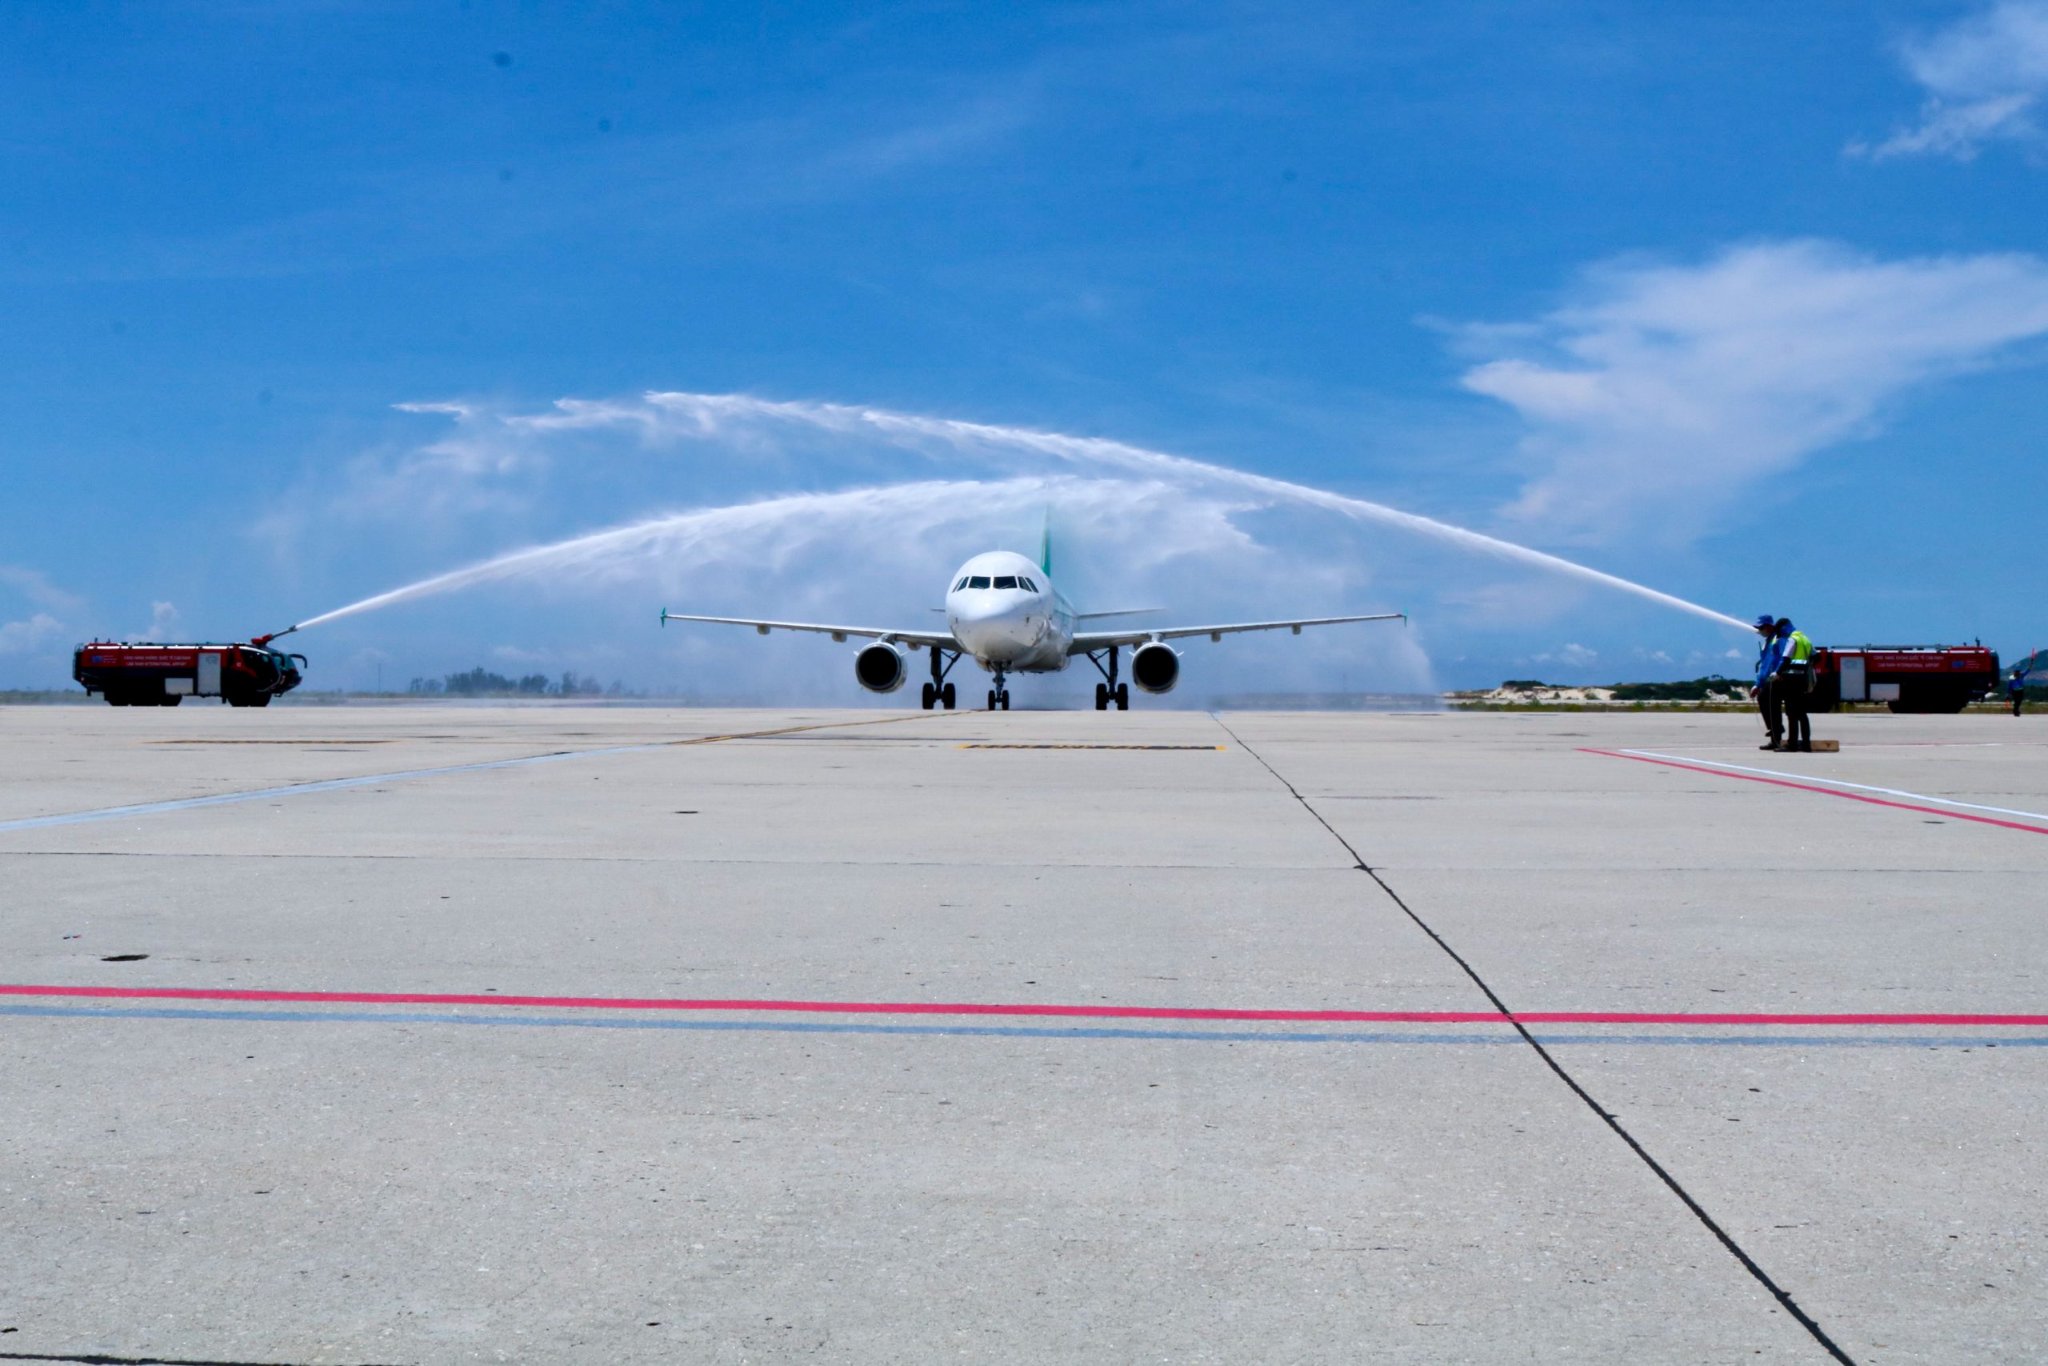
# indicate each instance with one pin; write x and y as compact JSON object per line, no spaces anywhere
{"x":1606,"y":1117}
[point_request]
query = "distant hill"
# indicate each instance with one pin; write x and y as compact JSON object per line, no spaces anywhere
{"x":1710,"y":691}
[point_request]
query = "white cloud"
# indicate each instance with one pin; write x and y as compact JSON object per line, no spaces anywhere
{"x":1986,"y":77}
{"x":1661,"y":393}
{"x":1571,"y":654}
{"x":164,"y":621}
{"x":26,"y":637}
{"x":42,"y":627}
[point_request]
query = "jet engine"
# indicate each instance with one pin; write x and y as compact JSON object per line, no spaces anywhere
{"x":1155,"y":667}
{"x":879,"y":667}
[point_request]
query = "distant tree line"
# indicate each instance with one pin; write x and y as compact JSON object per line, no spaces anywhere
{"x":481,"y":682}
{"x":1687,"y":690}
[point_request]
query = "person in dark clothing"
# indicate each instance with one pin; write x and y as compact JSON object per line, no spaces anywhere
{"x":2017,"y":689}
{"x":1793,"y":683}
{"x":1766,"y":692}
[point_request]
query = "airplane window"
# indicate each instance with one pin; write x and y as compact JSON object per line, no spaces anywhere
{"x":1026,"y":583}
{"x":978,"y":581}
{"x":1006,"y":581}
{"x":960,"y":585}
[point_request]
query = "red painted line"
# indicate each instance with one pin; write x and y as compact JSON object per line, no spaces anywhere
{"x":994,"y":1008}
{"x":1739,"y":1018}
{"x":796,"y":1007}
{"x":1947,"y":813}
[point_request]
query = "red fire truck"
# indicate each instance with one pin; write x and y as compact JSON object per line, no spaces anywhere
{"x":1905,"y":677}
{"x":149,"y":675}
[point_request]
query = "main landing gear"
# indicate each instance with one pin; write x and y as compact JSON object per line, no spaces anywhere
{"x":1109,"y":692}
{"x":999,"y":695}
{"x":939,"y":692}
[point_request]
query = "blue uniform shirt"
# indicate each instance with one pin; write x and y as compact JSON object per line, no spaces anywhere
{"x":1767,"y":659}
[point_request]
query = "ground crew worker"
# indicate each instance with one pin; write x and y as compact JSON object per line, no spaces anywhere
{"x":1793,"y":682}
{"x":1765,"y":692}
{"x":2017,"y":688}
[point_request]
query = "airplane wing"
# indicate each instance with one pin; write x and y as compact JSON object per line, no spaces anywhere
{"x":1085,"y":641}
{"x":1120,"y":612}
{"x":916,"y":639}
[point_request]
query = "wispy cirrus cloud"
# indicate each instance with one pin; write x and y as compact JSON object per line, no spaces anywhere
{"x":1661,"y":393}
{"x":1986,"y":78}
{"x":37,"y":588}
{"x":835,"y":149}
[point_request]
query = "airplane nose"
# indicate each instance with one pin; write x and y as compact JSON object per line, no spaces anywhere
{"x":990,"y":629}
{"x":977,"y":613}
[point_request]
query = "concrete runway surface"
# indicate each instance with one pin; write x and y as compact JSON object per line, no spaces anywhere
{"x":443,"y":1034}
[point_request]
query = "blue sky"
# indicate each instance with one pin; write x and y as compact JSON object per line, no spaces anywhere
{"x":1747,"y":302}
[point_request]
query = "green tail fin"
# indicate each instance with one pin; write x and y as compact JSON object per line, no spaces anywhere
{"x":1045,"y":546}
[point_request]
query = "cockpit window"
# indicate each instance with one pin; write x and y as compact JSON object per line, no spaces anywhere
{"x":1006,"y":581}
{"x":977,"y":581}
{"x":960,"y":585}
{"x":1026,"y":584}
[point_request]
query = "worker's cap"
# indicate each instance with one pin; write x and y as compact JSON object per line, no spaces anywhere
{"x":1766,"y":622}
{"x":1784,"y":623}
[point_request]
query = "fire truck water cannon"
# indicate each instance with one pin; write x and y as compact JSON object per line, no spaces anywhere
{"x":263,"y":641}
{"x":153,"y":675}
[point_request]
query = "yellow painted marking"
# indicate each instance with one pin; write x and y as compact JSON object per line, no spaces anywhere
{"x":1089,"y":746}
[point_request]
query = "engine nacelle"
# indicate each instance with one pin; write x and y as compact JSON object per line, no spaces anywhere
{"x":1155,"y":667}
{"x":880,"y":667}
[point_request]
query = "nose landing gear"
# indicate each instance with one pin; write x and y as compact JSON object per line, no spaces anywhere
{"x":999,"y":695}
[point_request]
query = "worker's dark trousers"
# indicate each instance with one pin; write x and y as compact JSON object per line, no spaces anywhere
{"x":2017,"y":698}
{"x":1792,"y":689}
{"x":1774,"y":715}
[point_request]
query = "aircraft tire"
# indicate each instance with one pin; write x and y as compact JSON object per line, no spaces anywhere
{"x":1004,"y":698}
{"x":1102,"y":697}
{"x":1123,"y":697}
{"x":929,"y":696}
{"x":991,"y":699}
{"x":946,"y":696}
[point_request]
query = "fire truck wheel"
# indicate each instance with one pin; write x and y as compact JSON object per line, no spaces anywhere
{"x":169,"y":699}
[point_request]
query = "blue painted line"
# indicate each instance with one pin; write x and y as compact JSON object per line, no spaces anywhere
{"x":746,"y":1026}
{"x":1488,"y":1037}
{"x":109,"y":813}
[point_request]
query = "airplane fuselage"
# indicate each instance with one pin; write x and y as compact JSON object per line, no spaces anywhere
{"x":1006,"y":614}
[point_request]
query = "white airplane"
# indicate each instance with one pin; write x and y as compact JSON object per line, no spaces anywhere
{"x":1005,"y":614}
